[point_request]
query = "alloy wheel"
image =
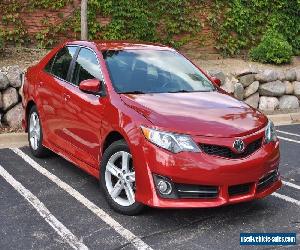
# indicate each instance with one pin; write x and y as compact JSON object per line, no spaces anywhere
{"x":34,"y":131}
{"x":120,"y":178}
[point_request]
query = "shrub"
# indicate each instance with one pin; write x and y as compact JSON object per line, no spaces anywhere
{"x":273,"y":48}
{"x":240,"y":24}
{"x":296,"y":45}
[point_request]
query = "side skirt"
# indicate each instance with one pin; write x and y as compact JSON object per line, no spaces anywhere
{"x":77,"y":162}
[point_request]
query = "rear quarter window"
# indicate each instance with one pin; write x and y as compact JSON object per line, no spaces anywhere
{"x":59,"y":65}
{"x":48,"y":67}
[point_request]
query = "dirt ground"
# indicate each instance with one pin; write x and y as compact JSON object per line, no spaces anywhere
{"x":24,"y":57}
{"x":231,"y":65}
{"x":5,"y":130}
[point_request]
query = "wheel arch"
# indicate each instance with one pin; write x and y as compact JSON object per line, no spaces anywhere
{"x":29,"y":105}
{"x":110,"y":138}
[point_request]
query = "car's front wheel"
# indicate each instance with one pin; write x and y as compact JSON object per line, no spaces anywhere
{"x":35,"y":134}
{"x":118,"y":179}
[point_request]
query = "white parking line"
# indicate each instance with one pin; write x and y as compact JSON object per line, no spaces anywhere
{"x":67,"y":236}
{"x":291,"y":184}
{"x":287,"y":139}
{"x":128,"y":235}
{"x":287,"y":133}
{"x":287,"y":198}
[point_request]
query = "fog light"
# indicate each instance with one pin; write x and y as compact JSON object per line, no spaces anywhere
{"x":164,"y":187}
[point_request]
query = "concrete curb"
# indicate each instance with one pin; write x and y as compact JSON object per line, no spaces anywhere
{"x":13,"y":140}
{"x":285,"y":119}
{"x":20,"y":139}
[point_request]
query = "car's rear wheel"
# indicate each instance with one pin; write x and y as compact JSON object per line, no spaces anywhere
{"x":35,"y":134}
{"x":118,"y":179}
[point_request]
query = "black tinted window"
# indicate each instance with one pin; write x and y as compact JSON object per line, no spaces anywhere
{"x":86,"y":67}
{"x":62,"y":62}
{"x":48,"y":67}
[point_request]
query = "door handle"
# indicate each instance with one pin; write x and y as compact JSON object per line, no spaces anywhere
{"x":67,"y":97}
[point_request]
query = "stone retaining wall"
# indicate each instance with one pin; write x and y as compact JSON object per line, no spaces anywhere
{"x":267,"y":90}
{"x":10,"y":98}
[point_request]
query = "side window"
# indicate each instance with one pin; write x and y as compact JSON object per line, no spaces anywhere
{"x":62,"y":62}
{"x":86,"y":67}
{"x":48,"y":67}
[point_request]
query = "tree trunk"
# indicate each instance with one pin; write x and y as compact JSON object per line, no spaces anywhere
{"x":84,"y":24}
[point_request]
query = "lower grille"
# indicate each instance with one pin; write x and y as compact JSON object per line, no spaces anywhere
{"x":196,"y":191}
{"x":226,"y":152}
{"x":267,"y":180}
{"x":239,"y":189}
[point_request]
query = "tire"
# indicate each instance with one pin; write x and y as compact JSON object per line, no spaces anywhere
{"x":118,"y":179}
{"x":35,"y":134}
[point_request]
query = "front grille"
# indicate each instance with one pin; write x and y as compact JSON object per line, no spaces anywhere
{"x":267,"y":180}
{"x":239,"y":189}
{"x":196,"y":191}
{"x":226,"y":152}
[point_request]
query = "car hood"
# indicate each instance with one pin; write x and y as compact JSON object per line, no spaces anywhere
{"x":199,"y":113}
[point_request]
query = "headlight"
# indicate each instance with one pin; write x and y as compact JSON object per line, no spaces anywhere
{"x":173,"y":142}
{"x":270,"y":134}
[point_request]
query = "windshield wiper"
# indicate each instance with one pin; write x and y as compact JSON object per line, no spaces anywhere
{"x":189,"y":91}
{"x":132,"y":92}
{"x":179,"y":91}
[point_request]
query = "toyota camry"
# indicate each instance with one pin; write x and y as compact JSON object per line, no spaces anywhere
{"x":154,"y":128}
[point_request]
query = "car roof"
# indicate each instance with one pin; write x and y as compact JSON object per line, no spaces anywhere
{"x":121,"y":45}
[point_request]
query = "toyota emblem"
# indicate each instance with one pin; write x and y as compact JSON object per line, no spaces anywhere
{"x":239,"y":145}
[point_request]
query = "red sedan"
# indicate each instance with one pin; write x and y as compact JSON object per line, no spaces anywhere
{"x":150,"y":125}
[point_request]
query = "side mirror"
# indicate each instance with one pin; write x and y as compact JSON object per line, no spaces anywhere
{"x":91,"y":86}
{"x":216,"y":81}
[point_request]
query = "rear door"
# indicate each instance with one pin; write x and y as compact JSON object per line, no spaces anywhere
{"x":83,"y":112}
{"x":50,"y":90}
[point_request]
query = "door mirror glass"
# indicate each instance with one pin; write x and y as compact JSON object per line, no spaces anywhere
{"x":216,"y":81}
{"x":91,"y":86}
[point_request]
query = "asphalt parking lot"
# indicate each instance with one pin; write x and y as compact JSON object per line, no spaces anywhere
{"x":51,"y":204}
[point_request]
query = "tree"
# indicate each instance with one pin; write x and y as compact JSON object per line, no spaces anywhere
{"x":84,"y":24}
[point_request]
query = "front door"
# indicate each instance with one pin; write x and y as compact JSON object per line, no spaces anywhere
{"x":83,"y":112}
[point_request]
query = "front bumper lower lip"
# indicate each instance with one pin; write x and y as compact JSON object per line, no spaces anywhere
{"x":223,"y":197}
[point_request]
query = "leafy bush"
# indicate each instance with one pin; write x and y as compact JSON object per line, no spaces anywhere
{"x":171,"y":22}
{"x":273,"y":48}
{"x":296,"y":45}
{"x":241,"y":24}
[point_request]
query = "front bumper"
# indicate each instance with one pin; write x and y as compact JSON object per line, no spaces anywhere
{"x":205,"y":170}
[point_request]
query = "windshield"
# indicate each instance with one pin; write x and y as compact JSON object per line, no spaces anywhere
{"x":154,"y":71}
